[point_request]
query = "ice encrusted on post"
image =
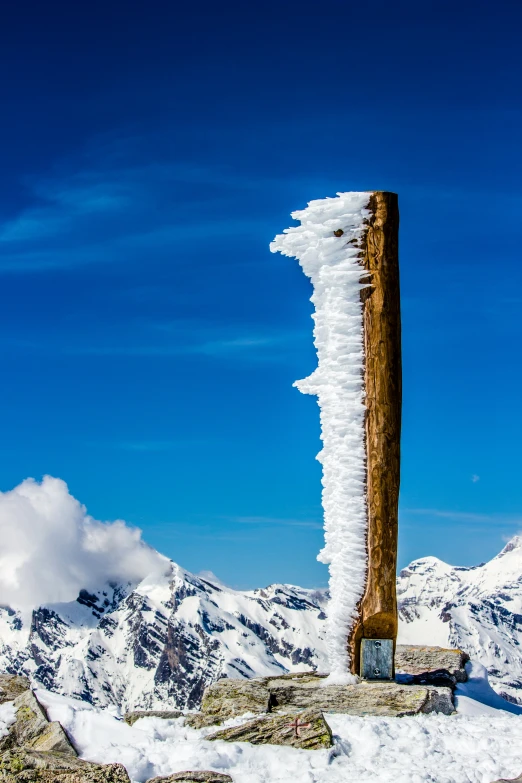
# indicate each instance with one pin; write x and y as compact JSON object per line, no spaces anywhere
{"x":326,"y":245}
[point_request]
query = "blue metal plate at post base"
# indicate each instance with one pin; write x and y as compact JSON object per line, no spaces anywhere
{"x":377,"y":659}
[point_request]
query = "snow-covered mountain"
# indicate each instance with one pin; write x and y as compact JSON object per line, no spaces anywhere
{"x":161,"y":642}
{"x":478,"y":609}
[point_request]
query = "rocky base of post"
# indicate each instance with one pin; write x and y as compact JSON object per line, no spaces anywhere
{"x":426,"y":678}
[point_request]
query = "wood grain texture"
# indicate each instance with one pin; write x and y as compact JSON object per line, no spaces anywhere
{"x":377,"y":616}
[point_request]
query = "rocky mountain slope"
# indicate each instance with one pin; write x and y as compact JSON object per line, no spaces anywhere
{"x":160,"y":643}
{"x":478,"y":609}
{"x":163,"y":641}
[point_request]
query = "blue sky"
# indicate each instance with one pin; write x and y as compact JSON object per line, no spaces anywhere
{"x":149,"y":340}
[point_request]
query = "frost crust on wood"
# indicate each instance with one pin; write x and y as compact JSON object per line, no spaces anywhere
{"x":348,"y":247}
{"x":327,"y":244}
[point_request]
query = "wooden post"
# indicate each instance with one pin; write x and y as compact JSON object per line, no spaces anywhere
{"x":377,"y":616}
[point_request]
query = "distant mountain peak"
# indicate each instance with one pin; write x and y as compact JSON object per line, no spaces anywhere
{"x":478,"y":609}
{"x":512,"y":545}
{"x":162,"y":641}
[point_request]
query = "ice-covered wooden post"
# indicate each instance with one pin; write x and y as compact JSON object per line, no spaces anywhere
{"x":348,"y":246}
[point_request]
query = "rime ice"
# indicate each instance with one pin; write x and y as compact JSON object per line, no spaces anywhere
{"x":326,"y":246}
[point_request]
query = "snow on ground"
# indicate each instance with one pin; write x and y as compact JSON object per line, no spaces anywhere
{"x":479,"y":745}
{"x":477,"y":697}
{"x":327,"y":247}
{"x":7,"y":716}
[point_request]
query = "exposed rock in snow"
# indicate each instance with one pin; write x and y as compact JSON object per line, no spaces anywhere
{"x":12,"y":686}
{"x":33,"y":731}
{"x":34,"y":748}
{"x":306,"y":729}
{"x":478,"y":610}
{"x":421,"y":665}
{"x":230,"y":699}
{"x":162,"y":642}
{"x":130,"y":718}
{"x":456,"y":749}
{"x":193,"y":777}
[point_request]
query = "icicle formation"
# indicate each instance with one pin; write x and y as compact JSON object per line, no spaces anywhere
{"x":323,"y":245}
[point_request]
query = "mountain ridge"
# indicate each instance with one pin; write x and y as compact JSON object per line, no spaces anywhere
{"x":476,"y":608}
{"x":161,"y":641}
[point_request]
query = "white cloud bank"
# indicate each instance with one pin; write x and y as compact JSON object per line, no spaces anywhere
{"x":50,"y":547}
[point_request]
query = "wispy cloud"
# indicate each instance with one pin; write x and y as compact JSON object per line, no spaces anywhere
{"x":176,"y":339}
{"x":64,"y":205}
{"x":464,"y":517}
{"x":107,"y":210}
{"x":445,"y":514}
{"x":276,"y":522}
{"x":153,"y":445}
{"x":252,"y":349}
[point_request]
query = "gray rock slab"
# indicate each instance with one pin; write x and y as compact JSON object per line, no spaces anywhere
{"x":366,"y":698}
{"x":228,"y":698}
{"x":200,"y":720}
{"x":32,"y":729}
{"x":203,"y":776}
{"x":132,"y":717}
{"x":431,"y":665}
{"x":23,"y":765}
{"x":307,"y":730}
{"x":36,"y":749}
{"x":509,"y":780}
{"x":428,"y":675}
{"x":11,"y":686}
{"x":232,"y":698}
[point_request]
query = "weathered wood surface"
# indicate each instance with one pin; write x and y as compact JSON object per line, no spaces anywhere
{"x":383,"y":381}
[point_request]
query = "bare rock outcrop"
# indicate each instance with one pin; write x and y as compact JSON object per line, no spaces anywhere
{"x":33,"y":730}
{"x":11,"y":686}
{"x":366,"y":698}
{"x":307,"y":730}
{"x":131,"y":717}
{"x":38,"y":750}
{"x":22,"y":765}
{"x":509,"y":780}
{"x":203,"y":776}
{"x":268,"y":695}
{"x":431,"y":665}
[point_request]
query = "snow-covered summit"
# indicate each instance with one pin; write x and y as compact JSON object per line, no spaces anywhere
{"x":162,"y":641}
{"x":478,"y":609}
